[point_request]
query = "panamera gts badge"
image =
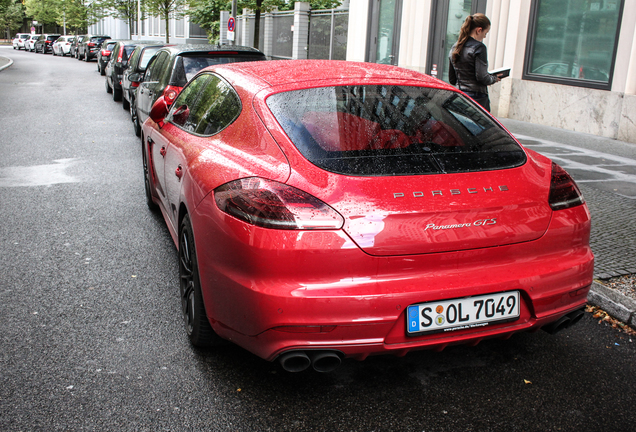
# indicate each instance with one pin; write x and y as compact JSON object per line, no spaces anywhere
{"x":420,"y":194}
{"x":477,"y":223}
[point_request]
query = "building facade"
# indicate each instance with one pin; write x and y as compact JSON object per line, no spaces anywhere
{"x":573,"y":62}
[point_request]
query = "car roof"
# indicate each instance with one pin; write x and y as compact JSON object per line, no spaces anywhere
{"x":183,"y":48}
{"x":285,"y":72}
{"x":134,"y":42}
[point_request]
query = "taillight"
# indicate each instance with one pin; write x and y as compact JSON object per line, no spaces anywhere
{"x":171,"y":93}
{"x":564,"y":193}
{"x":91,"y":44}
{"x":134,"y":84}
{"x":120,"y":55}
{"x":270,"y":204}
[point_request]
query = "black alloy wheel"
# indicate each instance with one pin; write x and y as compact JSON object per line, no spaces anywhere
{"x":195,"y":319}
{"x":135,"y":118}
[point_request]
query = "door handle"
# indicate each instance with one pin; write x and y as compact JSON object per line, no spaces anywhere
{"x":179,"y":172}
{"x":162,"y":152}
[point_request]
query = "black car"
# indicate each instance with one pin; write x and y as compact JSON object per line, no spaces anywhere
{"x":74,"y":47}
{"x":44,"y":43}
{"x":90,"y":46}
{"x":173,"y":66}
{"x":131,"y":78}
{"x":117,"y":64}
{"x":104,"y":55}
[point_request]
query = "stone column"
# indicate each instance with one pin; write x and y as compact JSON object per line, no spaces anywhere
{"x":301,"y":30}
{"x":268,"y":33}
{"x":225,"y":16}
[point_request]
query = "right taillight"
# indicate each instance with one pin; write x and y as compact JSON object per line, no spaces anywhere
{"x":270,"y":204}
{"x":564,"y":193}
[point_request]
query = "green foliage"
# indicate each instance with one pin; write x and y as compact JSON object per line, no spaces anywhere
{"x":207,"y":13}
{"x":11,"y":15}
{"x":77,"y":14}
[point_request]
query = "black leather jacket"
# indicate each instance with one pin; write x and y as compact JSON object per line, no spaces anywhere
{"x":470,"y":70}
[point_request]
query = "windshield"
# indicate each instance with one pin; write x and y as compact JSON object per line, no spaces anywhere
{"x":393,"y":130}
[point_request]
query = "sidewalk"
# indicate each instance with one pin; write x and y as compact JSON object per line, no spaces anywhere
{"x":5,"y":62}
{"x":605,"y":170}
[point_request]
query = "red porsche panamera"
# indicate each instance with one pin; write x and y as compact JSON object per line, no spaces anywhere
{"x":324,"y":210}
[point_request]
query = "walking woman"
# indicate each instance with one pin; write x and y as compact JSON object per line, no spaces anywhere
{"x":469,"y":60}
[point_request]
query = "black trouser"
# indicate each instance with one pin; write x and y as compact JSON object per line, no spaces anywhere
{"x":481,"y":98}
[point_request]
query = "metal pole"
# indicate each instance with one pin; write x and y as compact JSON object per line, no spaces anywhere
{"x":234,"y":6}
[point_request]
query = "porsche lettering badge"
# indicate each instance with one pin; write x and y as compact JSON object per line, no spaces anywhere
{"x":420,"y":194}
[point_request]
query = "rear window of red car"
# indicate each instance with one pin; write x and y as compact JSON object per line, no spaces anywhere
{"x":393,"y":130}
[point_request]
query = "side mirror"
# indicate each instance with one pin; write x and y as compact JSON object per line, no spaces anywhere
{"x":180,"y":115}
{"x":135,"y":77}
{"x":159,"y":111}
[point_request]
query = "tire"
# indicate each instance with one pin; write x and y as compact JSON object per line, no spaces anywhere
{"x":147,"y":182}
{"x":125,"y":104}
{"x":86,"y":59}
{"x":109,"y":89}
{"x":116,"y":94}
{"x":195,"y":319}
{"x":102,"y":71}
{"x":135,"y":118}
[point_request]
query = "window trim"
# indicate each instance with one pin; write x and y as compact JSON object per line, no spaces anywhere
{"x":529,"y":76}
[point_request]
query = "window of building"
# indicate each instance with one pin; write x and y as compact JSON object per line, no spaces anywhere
{"x":573,"y":42}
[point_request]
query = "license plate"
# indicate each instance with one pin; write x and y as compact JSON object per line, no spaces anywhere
{"x":464,"y":313}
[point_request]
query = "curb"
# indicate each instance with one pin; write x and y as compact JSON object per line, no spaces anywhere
{"x":8,"y":64}
{"x":614,"y":303}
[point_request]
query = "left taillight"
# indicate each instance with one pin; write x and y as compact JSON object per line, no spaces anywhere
{"x":564,"y":193}
{"x":170,"y":93}
{"x":270,"y":204}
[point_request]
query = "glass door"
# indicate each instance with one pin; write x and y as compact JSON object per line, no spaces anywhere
{"x":448,"y":18}
{"x":385,"y":31}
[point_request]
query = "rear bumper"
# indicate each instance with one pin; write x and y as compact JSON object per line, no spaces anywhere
{"x":273,"y":291}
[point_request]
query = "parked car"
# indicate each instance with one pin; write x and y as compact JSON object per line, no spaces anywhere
{"x":62,"y":46}
{"x":75,"y":45}
{"x":90,"y":46}
{"x":44,"y":43}
{"x":19,"y":39}
{"x":117,"y":64}
{"x":104,"y":55}
{"x":173,"y":66}
{"x":131,"y":78}
{"x":29,"y":44}
{"x":364,"y":209}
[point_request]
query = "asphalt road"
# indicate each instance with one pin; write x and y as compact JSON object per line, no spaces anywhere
{"x":90,"y":330}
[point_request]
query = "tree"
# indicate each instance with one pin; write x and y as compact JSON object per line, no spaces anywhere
{"x":206,"y":13}
{"x":125,"y":10}
{"x":165,"y":8}
{"x":43,"y":11}
{"x":11,"y":16}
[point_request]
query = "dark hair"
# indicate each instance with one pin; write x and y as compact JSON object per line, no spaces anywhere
{"x":472,"y":22}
